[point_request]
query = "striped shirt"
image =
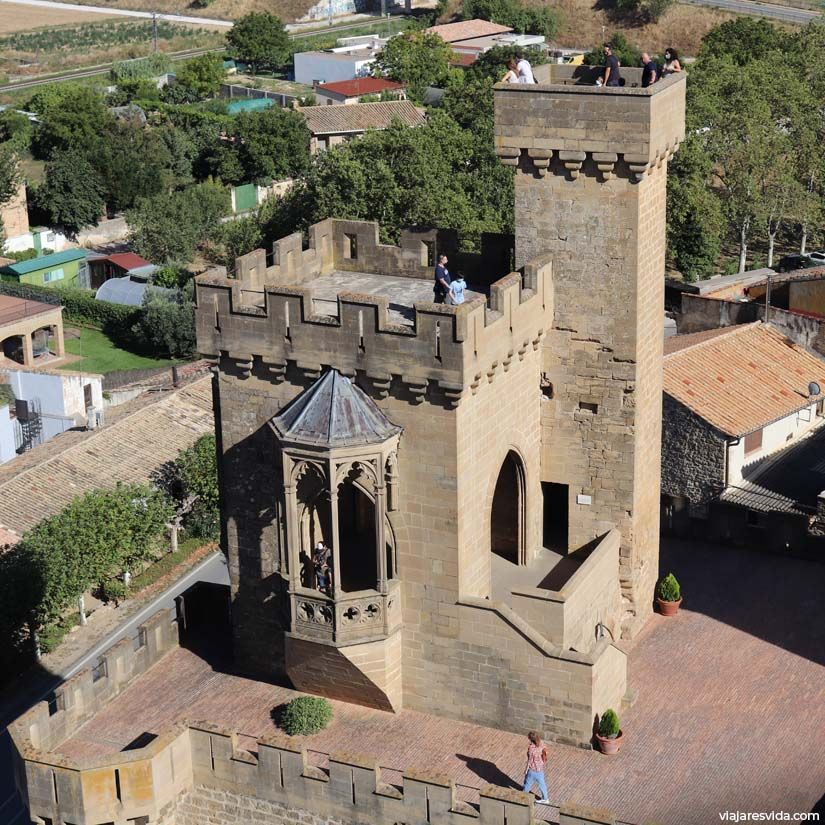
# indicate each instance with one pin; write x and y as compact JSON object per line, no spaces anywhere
{"x":534,"y":757}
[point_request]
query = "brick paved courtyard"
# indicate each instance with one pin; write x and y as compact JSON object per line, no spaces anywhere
{"x":729,"y":713}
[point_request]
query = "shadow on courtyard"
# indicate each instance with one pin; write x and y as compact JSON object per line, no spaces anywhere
{"x":774,"y":598}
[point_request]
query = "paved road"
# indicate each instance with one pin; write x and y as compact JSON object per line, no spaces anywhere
{"x":211,"y":569}
{"x":787,"y":14}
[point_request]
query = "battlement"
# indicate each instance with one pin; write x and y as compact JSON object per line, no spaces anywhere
{"x":567,"y":125}
{"x":302,"y":313}
{"x":190,"y":765}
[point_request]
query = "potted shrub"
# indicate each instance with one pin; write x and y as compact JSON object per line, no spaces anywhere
{"x":609,"y":735}
{"x":669,"y":595}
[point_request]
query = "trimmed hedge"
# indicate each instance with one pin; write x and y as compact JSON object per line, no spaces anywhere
{"x":80,"y":305}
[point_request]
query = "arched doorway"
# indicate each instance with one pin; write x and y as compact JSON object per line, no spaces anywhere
{"x":356,"y":534}
{"x":507,"y":513}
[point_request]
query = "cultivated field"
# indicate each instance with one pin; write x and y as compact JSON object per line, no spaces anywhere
{"x":287,"y":10}
{"x":58,"y":48}
{"x":16,"y":18}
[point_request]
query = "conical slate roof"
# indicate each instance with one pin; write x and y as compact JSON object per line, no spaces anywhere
{"x":333,"y":412}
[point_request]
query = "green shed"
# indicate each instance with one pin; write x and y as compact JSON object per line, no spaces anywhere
{"x":58,"y":269}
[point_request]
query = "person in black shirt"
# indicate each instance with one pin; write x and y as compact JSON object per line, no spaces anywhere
{"x":441,"y":285}
{"x":612,"y":76}
{"x":650,"y":71}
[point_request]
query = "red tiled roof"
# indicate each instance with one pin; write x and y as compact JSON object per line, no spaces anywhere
{"x":677,"y":342}
{"x":463,"y":59}
{"x":128,"y":260}
{"x":742,"y":378}
{"x":359,"y":86}
{"x":467,"y":30}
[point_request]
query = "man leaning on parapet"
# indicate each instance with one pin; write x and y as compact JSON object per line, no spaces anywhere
{"x":612,"y":75}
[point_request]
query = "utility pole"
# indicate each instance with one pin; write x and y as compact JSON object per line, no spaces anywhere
{"x":155,"y":30}
{"x":768,"y":299}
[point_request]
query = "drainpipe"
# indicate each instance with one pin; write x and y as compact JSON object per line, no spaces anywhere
{"x":731,"y":442}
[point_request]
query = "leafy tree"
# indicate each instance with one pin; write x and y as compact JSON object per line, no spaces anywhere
{"x":695,"y":223}
{"x":177,"y":93}
{"x":72,"y":194}
{"x":133,"y":163}
{"x":195,"y":472}
{"x":92,"y":539}
{"x":128,"y":91}
{"x":17,"y":129}
{"x":72,"y":118}
{"x":532,"y":19}
{"x":167,"y":323}
{"x":259,"y":39}
{"x":203,"y":74}
{"x":169,"y":227}
{"x":182,"y":151}
{"x":492,"y":64}
{"x":9,"y":172}
{"x":233,"y":239}
{"x":415,"y":59}
{"x":642,"y":11}
{"x":743,"y":40}
{"x":271,"y":145}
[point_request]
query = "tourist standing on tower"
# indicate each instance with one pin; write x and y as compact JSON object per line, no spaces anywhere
{"x":611,"y":76}
{"x":442,"y":280}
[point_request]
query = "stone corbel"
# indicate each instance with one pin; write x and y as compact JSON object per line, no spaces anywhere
{"x":491,"y":372}
{"x":522,"y":350}
{"x":508,"y":155}
{"x":605,"y":163}
{"x":541,"y":160}
{"x":276,"y":372}
{"x":242,"y":362}
{"x":381,"y":383}
{"x":474,"y":384}
{"x":507,"y":360}
{"x":638,"y":165}
{"x":537,"y":340}
{"x":308,"y":369}
{"x":417,"y":388}
{"x":452,"y":392}
{"x":572,"y":163}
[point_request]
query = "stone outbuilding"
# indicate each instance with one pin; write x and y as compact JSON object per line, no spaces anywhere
{"x":26,"y":328}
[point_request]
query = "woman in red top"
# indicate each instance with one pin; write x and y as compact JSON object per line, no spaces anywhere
{"x":536,"y":760}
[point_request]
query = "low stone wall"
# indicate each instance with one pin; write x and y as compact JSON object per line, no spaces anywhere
{"x":196,"y":773}
{"x":568,"y":617}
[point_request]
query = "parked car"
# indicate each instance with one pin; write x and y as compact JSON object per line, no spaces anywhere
{"x":788,"y":263}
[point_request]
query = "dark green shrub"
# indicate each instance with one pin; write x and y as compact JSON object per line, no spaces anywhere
{"x":609,"y":727}
{"x":306,"y":715}
{"x":669,"y":589}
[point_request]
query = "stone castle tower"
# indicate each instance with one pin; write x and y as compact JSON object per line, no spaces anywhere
{"x":486,"y":476}
{"x":590,"y":194}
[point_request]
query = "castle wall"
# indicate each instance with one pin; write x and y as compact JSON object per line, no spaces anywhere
{"x":590,"y":193}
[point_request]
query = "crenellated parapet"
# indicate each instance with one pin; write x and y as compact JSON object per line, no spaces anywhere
{"x":444,"y":351}
{"x":568,"y":126}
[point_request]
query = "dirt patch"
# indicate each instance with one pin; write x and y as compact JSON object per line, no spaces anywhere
{"x":18,"y":18}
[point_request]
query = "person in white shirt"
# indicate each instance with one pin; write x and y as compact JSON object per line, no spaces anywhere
{"x":458,"y":287}
{"x":518,"y":71}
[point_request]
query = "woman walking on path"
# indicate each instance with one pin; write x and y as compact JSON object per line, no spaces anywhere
{"x":536,"y":762}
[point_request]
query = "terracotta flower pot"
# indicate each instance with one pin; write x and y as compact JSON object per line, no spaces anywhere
{"x":610,"y":746}
{"x":668,"y":608}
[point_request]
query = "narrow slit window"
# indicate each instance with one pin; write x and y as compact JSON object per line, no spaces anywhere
{"x":350,"y":246}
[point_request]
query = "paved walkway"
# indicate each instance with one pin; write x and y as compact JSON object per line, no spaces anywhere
{"x":728,"y":717}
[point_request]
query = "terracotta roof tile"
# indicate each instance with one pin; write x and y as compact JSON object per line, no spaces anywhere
{"x":358,"y":117}
{"x":742,"y":378}
{"x":359,"y":86}
{"x":467,"y":30}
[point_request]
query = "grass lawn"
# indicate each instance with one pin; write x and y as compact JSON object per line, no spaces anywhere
{"x":99,"y":354}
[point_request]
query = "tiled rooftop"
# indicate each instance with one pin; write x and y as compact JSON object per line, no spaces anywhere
{"x":14,"y":309}
{"x":742,"y":378}
{"x":127,"y":450}
{"x":730,"y":695}
{"x":360,"y":86}
{"x":358,"y":117}
{"x":467,"y":30}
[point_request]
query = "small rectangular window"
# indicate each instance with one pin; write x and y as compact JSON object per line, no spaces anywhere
{"x":99,"y":671}
{"x":586,"y":406}
{"x":350,"y":246}
{"x":53,"y":275}
{"x":140,"y":640}
{"x":56,"y":703}
{"x":753,"y":442}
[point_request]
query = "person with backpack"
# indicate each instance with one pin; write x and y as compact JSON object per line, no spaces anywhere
{"x":536,"y":762}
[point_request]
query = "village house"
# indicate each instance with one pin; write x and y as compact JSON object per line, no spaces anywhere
{"x":741,"y":439}
{"x":332,"y":125}
{"x":351,"y":91}
{"x":67,"y":268}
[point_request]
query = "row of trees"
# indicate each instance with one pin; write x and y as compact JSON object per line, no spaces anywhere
{"x":751,"y":170}
{"x":94,"y":541}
